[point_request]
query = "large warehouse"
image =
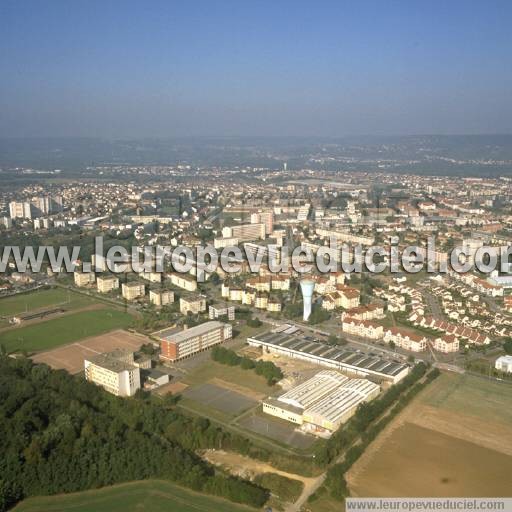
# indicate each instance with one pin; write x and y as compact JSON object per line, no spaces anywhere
{"x":322,"y":403}
{"x":292,"y":343}
{"x":338,"y":407}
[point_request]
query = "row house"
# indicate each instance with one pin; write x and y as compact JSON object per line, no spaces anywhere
{"x":446,"y":344}
{"x":405,"y":339}
{"x":368,"y":312}
{"x":363,"y":328}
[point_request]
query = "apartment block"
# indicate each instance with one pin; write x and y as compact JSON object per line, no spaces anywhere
{"x":161,"y":297}
{"x":83,"y":278}
{"x":183,"y":344}
{"x":195,"y":304}
{"x":114,"y":371}
{"x":132,"y":291}
{"x":107,"y":284}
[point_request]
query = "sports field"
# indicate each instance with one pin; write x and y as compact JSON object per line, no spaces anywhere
{"x":41,"y":299}
{"x":71,"y":357}
{"x":457,"y":435}
{"x":150,"y":495}
{"x":64,"y":329}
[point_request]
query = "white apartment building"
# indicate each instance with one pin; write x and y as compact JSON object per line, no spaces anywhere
{"x":161,"y":297}
{"x":245,"y":232}
{"x":183,"y":281}
{"x":195,"y":304}
{"x":83,"y":278}
{"x":132,"y":291}
{"x":114,"y":371}
{"x":107,"y":284}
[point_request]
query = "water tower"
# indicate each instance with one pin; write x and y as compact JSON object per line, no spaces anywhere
{"x":307,"y":286}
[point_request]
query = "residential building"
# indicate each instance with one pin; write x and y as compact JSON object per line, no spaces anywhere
{"x":114,"y":371}
{"x":183,"y":281}
{"x":83,"y":278}
{"x":183,"y":344}
{"x":446,"y":344}
{"x":216,"y":311}
{"x":106,"y":284}
{"x":161,"y":297}
{"x":132,"y":291}
{"x":193,"y":303}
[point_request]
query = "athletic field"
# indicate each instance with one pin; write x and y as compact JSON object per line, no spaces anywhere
{"x":150,"y":495}
{"x":63,"y":329}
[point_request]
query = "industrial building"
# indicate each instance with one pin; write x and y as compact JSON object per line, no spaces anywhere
{"x":504,"y":363}
{"x":180,"y":345}
{"x":338,"y":407}
{"x":289,"y":341}
{"x":324,"y":402}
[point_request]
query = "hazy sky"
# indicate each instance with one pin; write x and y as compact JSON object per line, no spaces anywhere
{"x":249,"y":67}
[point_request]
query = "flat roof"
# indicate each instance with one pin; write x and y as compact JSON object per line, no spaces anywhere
{"x":171,"y":334}
{"x":109,"y":362}
{"x":337,"y":403}
{"x":313,"y":389}
{"x":346,"y":356}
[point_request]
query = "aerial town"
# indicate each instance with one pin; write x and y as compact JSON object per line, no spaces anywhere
{"x":287,"y":359}
{"x":255,"y":256}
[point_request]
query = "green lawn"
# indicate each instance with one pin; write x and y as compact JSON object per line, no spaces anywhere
{"x":38,"y":299}
{"x":471,"y":395}
{"x":150,"y":495}
{"x":64,"y":329}
{"x":235,"y":374}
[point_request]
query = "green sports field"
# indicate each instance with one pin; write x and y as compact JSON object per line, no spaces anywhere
{"x":64,"y":329}
{"x":151,"y":495}
{"x":40,"y":299}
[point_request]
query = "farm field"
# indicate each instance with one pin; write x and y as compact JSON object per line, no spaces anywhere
{"x":64,"y":329}
{"x":40,"y":299}
{"x":457,"y":434}
{"x":443,"y":466}
{"x":154,"y":495}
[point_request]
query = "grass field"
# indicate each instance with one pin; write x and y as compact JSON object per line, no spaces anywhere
{"x":151,"y":495}
{"x":41,"y":299}
{"x":468,"y":394}
{"x":64,"y":329}
{"x":234,"y":374}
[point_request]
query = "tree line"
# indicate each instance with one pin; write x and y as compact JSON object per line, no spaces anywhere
{"x":61,"y":434}
{"x":266,"y":369}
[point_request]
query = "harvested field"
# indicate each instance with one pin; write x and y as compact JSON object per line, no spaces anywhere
{"x":417,"y":461}
{"x":71,"y":357}
{"x":457,"y":437}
